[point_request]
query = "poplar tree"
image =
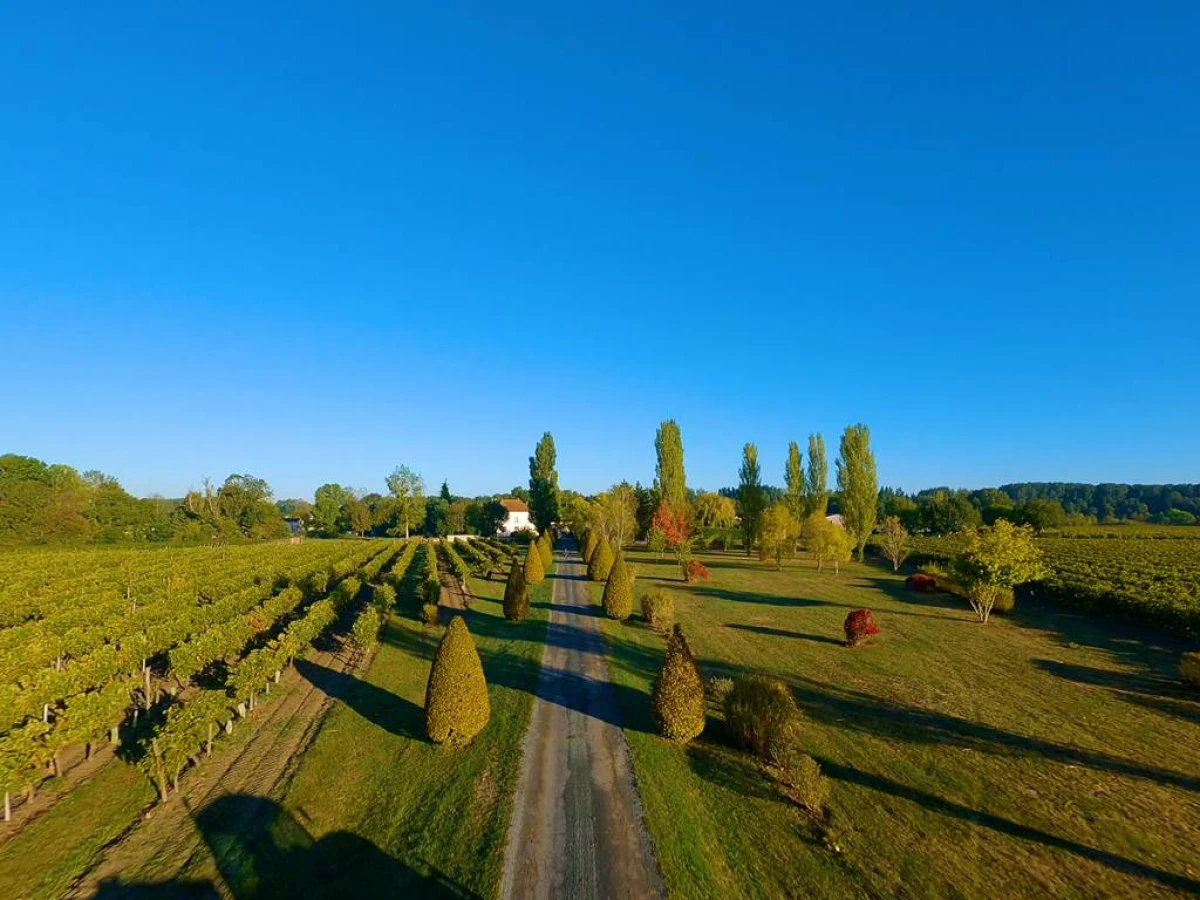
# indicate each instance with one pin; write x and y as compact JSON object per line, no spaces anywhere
{"x":793,"y":478}
{"x":858,"y":485}
{"x":543,"y":483}
{"x":669,"y":478}
{"x":750,"y":493}
{"x":816,"y":482}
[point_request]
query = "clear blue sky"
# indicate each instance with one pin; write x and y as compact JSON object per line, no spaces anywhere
{"x":314,"y":242}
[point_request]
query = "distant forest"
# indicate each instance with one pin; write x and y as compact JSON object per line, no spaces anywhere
{"x":1102,"y":502}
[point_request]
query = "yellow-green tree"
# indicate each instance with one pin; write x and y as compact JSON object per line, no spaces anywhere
{"x":777,"y":534}
{"x":456,"y":698}
{"x":828,"y":542}
{"x":618,"y":590}
{"x":534,"y":573}
{"x":677,"y":699}
{"x":858,"y":485}
{"x":601,"y":561}
{"x":995,"y":560}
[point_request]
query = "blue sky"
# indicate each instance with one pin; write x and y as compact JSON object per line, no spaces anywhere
{"x":313,"y":242}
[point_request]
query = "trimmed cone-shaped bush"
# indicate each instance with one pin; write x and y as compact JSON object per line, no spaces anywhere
{"x":546,"y":547}
{"x":516,"y":594}
{"x":534,"y":572}
{"x":601,"y":562}
{"x":677,"y":700}
{"x":589,"y":545}
{"x":618,"y":590}
{"x":456,"y":700}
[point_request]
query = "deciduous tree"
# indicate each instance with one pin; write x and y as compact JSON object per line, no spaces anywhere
{"x":777,"y":536}
{"x":543,"y":483}
{"x":995,"y":560}
{"x":793,"y":479}
{"x":858,"y":485}
{"x":750,"y":493}
{"x":669,"y":478}
{"x":894,"y":541}
{"x":816,"y":479}
{"x":408,"y":489}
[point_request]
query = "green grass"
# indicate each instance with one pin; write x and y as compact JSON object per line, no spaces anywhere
{"x":374,"y":806}
{"x":1042,"y":754}
{"x":49,"y":853}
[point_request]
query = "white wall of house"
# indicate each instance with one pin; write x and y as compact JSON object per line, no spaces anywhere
{"x":516,"y":521}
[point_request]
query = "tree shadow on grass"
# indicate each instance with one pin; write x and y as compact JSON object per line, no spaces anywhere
{"x":262,"y":851}
{"x":730,"y":770}
{"x":781,"y":632}
{"x":858,"y":711}
{"x":1005,"y":826}
{"x":1131,"y":682}
{"x":385,"y":709}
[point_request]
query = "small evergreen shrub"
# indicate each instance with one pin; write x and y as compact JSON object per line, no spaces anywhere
{"x":677,"y":700}
{"x":456,"y":698}
{"x":658,"y":609}
{"x":618,"y":590}
{"x":601,"y":562}
{"x":589,"y":545}
{"x":429,"y":613}
{"x":546,"y":547}
{"x":859,"y":626}
{"x":516,"y":594}
{"x":1189,"y":668}
{"x":757,"y":711}
{"x":534,"y":572}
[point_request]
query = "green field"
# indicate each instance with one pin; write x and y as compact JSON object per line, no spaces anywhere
{"x":1043,"y":754}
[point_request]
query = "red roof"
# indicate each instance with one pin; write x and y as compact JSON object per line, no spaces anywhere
{"x":514,"y":505}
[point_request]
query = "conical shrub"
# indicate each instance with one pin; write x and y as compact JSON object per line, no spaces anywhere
{"x":601,"y":562}
{"x":677,"y":700}
{"x":456,"y":700}
{"x":546,"y":548}
{"x":516,"y":594}
{"x":589,"y":545}
{"x":618,"y":590}
{"x":534,"y":572}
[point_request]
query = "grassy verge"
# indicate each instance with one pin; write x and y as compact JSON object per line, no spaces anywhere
{"x":1043,"y":754}
{"x":373,"y":806}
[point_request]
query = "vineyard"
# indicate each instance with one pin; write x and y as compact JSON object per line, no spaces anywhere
{"x":1152,"y":575}
{"x":159,"y":652}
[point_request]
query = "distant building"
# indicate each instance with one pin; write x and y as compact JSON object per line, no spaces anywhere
{"x":837,"y":520}
{"x":517,"y":519}
{"x":295,"y":525}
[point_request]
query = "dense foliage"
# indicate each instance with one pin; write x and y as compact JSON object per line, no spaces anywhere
{"x":456,"y":698}
{"x":677,"y":698}
{"x":618,"y":590}
{"x":859,"y":626}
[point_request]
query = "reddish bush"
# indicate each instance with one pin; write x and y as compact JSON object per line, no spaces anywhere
{"x":922,"y":583}
{"x":696,"y":571}
{"x":859,"y":626}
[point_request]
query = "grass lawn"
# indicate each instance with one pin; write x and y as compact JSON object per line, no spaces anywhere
{"x":374,"y":807}
{"x":1042,"y":754}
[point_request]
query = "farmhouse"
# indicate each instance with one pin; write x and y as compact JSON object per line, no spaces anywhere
{"x":517,"y":519}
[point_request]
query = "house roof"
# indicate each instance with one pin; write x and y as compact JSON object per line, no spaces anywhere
{"x":514,"y":505}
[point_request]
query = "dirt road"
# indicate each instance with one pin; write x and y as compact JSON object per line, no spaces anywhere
{"x":577,"y":828}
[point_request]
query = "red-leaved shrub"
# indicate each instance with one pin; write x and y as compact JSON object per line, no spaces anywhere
{"x":923,"y":583}
{"x":696,"y":570}
{"x":859,"y":626}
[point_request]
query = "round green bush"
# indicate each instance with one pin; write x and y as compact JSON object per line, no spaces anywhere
{"x":618,"y":591}
{"x":677,"y":700}
{"x":456,"y":699}
{"x":758,"y":711}
{"x":658,"y":609}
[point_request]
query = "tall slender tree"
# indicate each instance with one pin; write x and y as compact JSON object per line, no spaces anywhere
{"x":816,"y":481}
{"x":793,"y":478}
{"x":408,"y":488}
{"x":858,"y":485}
{"x":669,"y":478}
{"x":543,"y":483}
{"x":751,"y":495}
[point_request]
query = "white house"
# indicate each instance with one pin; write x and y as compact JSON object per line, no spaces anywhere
{"x":518,"y":518}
